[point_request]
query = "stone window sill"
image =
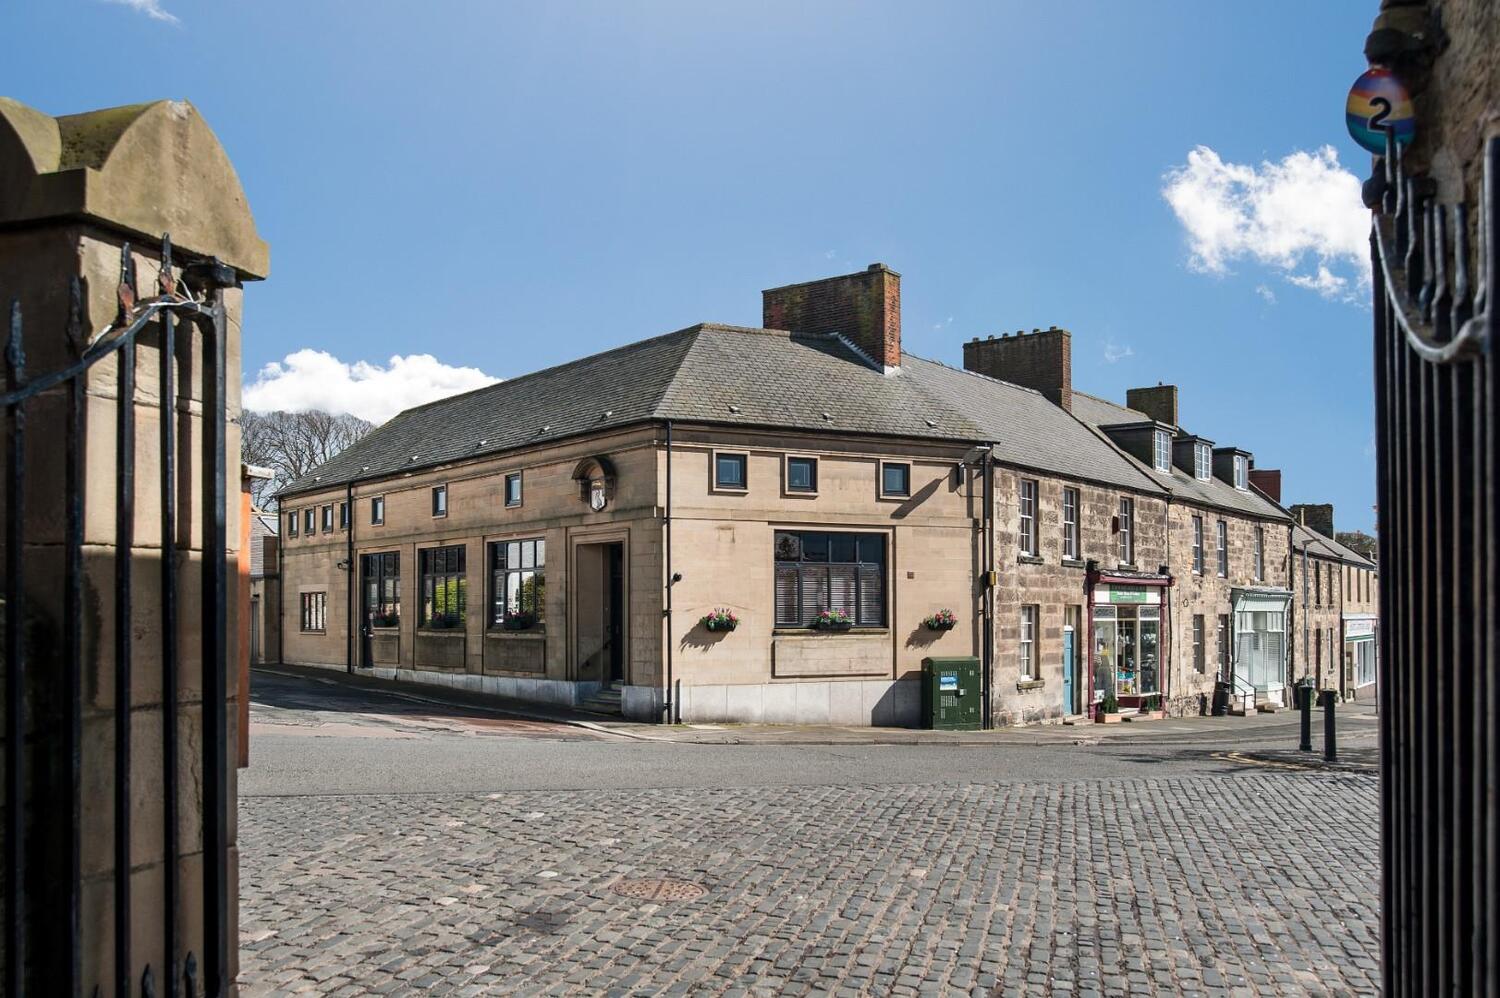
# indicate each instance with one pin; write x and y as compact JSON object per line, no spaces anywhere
{"x":1028,"y":559}
{"x":1027,"y":685}
{"x":532,"y":632}
{"x":813,"y":632}
{"x":1074,"y":563}
{"x":441,"y":632}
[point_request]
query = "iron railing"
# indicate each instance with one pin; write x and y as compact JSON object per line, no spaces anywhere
{"x":1436,"y":394}
{"x":45,"y":758}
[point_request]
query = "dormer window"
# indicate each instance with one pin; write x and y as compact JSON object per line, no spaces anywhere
{"x":1203,"y":462}
{"x":1161,"y":450}
{"x":1241,"y":472}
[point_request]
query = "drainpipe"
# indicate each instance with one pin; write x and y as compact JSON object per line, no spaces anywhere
{"x":666,"y":703}
{"x":280,"y":587}
{"x":1169,"y":624}
{"x":351,"y":616}
{"x":986,"y":693}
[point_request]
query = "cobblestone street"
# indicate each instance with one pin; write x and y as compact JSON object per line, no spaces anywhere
{"x":1228,"y":880}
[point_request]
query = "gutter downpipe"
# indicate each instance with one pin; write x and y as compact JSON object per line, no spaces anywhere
{"x":353,"y":615}
{"x":280,"y":586}
{"x":666,"y":703}
{"x":988,"y":652}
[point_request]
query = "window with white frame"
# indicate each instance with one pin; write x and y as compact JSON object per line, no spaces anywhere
{"x":1260,"y":553}
{"x":314,"y":611}
{"x":1027,"y":645}
{"x":440,"y":500}
{"x":1127,"y":531}
{"x":377,"y":510}
{"x":1197,"y":545}
{"x":1070,"y":523}
{"x":1203,"y":462}
{"x":1161,"y":450}
{"x":1223,"y":550}
{"x":1028,"y":516}
{"x":1241,"y":471}
{"x":513,"y":489}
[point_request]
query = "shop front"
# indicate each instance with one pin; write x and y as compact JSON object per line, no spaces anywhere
{"x":1359,"y":654}
{"x":1260,"y":643}
{"x":1126,"y":628}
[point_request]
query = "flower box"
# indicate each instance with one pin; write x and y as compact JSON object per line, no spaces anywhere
{"x":720,"y":621}
{"x":943,"y":620}
{"x":833,"y":620}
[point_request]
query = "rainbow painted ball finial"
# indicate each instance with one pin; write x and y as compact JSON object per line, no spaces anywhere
{"x":1377,"y":103}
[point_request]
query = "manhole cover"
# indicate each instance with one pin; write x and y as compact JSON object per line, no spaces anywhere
{"x":658,"y":889}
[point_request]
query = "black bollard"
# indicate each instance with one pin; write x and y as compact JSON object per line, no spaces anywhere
{"x":1330,"y":749}
{"x":1304,"y":704}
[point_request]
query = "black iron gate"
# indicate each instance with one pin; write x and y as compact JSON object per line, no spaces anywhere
{"x":46,"y":762}
{"x":1436,"y":397}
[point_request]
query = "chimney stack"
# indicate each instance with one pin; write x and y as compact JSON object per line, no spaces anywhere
{"x":1267,"y":481}
{"x":1160,"y":403}
{"x":1042,"y":359}
{"x":864,"y":308}
{"x":1315,"y":516}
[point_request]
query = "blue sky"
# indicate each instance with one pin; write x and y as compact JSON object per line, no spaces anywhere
{"x":505,"y":186}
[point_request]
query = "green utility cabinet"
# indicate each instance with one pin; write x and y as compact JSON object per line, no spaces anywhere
{"x":950,"y":693}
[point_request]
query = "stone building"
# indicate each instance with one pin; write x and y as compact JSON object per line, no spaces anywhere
{"x":1215,"y":546}
{"x":1335,"y":607}
{"x":565,"y":535}
{"x":264,"y":632}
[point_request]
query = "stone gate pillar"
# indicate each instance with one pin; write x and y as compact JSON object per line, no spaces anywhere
{"x":105,"y":904}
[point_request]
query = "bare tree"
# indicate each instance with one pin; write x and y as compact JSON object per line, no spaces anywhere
{"x":293,"y":443}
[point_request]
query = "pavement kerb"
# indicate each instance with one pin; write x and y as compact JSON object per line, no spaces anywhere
{"x":495,"y":705}
{"x":1035,"y":735}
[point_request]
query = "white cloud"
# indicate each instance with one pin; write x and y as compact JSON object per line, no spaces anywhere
{"x":151,"y":8}
{"x":314,"y":379}
{"x":1266,"y":293}
{"x":1116,"y":352}
{"x":1301,"y":215}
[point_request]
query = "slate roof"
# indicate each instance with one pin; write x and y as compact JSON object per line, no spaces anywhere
{"x":1214,"y":492}
{"x":736,"y":376}
{"x":262,"y":525}
{"x":1327,"y":547}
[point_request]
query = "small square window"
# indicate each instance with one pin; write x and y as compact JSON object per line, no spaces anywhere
{"x":377,"y":510}
{"x":895,"y":479}
{"x":731,"y":471}
{"x":440,"y":501}
{"x":513,"y":489}
{"x":802,"y":474}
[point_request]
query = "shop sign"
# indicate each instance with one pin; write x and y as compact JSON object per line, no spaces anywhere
{"x":1128,"y":594}
{"x":1358,"y":628}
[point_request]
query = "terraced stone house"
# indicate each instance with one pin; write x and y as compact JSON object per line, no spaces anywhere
{"x":569,"y":535}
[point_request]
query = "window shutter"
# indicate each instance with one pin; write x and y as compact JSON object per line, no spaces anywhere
{"x":786,"y":596}
{"x":842,"y":589}
{"x":814,"y":594}
{"x":871,"y":596}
